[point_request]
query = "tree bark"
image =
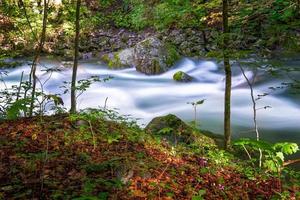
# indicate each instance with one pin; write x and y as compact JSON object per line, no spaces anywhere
{"x":227,"y":112}
{"x":75,"y":66}
{"x":37,"y":57}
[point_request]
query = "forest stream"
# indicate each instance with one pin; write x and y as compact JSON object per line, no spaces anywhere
{"x":145,"y":97}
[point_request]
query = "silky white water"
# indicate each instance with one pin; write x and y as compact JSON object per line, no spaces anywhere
{"x":146,"y":97}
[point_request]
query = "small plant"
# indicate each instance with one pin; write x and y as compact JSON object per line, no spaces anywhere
{"x":200,"y":195}
{"x":113,"y":137}
{"x":166,"y":130}
{"x":15,"y":109}
{"x":195,"y":104}
{"x":220,"y":157}
{"x":85,"y":119}
{"x":15,"y":101}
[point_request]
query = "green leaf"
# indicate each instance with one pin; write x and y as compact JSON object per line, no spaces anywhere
{"x":287,"y":148}
{"x":271,"y":165}
{"x":280,"y":156}
{"x":14,"y":110}
{"x":199,"y":196}
{"x":166,"y":130}
{"x":56,"y":99}
{"x":200,"y":102}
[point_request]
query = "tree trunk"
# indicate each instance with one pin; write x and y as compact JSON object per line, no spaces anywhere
{"x":75,"y":66}
{"x":227,"y":112}
{"x":37,"y":58}
{"x":204,"y":41}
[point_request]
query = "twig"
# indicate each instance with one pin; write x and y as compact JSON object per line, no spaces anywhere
{"x":162,"y":173}
{"x":289,"y":162}
{"x":248,"y":154}
{"x":93,"y":134}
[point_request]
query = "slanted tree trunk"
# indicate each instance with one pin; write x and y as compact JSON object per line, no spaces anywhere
{"x":33,"y":77}
{"x":227,"y":112}
{"x":23,"y":7}
{"x":75,"y":66}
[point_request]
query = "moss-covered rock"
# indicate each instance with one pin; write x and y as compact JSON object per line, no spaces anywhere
{"x":126,"y":57}
{"x":181,"y":76}
{"x":152,"y":56}
{"x":173,"y":55}
{"x":112,"y":60}
{"x":105,"y":58}
{"x":121,"y":59}
{"x":174,"y":130}
{"x":115,"y":62}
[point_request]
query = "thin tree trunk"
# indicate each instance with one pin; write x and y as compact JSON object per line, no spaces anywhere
{"x":75,"y":66}
{"x":37,"y":57}
{"x":23,"y":6}
{"x":227,"y":112}
{"x":250,"y":84}
{"x":20,"y":85}
{"x":195,"y":116}
{"x":204,"y":40}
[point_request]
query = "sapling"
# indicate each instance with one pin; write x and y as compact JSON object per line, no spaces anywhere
{"x":48,"y":98}
{"x":250,"y":84}
{"x":195,"y":104}
{"x":33,"y":77}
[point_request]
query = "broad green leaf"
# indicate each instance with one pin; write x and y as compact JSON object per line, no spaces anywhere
{"x":286,"y":147}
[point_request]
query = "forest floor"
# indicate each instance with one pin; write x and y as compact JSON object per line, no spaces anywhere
{"x":59,"y":157}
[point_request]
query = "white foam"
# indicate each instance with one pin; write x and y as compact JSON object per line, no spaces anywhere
{"x":149,"y":96}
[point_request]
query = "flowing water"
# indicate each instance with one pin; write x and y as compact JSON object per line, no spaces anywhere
{"x":146,"y":97}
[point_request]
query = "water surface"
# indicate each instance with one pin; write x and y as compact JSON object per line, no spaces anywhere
{"x":146,"y":97}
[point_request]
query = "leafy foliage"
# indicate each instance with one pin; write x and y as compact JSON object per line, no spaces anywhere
{"x":14,"y":110}
{"x":274,"y":153}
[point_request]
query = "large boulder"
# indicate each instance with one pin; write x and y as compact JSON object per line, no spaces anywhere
{"x":181,"y":76}
{"x":121,"y":59}
{"x":150,"y":56}
{"x":174,"y":130}
{"x":126,"y":57}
